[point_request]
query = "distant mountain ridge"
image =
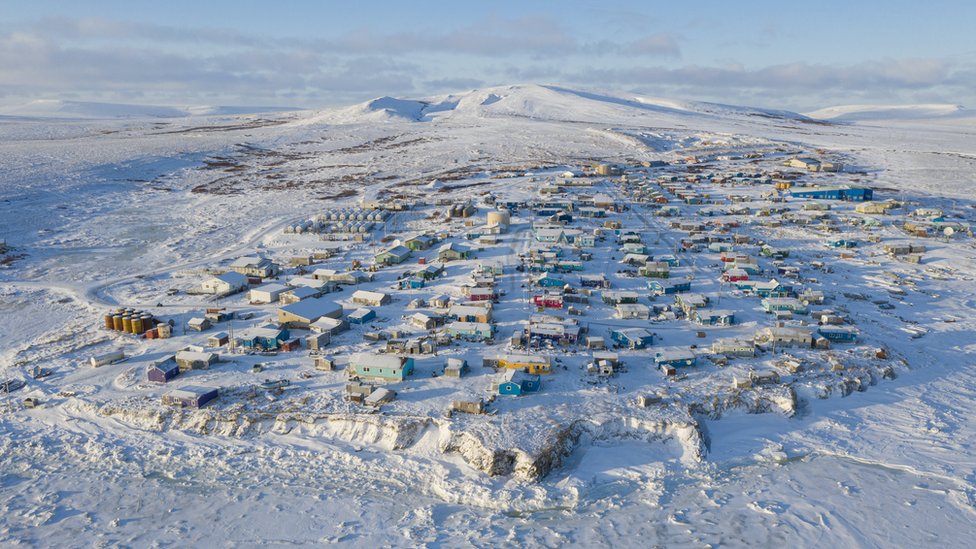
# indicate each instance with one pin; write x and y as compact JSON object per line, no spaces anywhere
{"x":890,"y":112}
{"x":57,"y":108}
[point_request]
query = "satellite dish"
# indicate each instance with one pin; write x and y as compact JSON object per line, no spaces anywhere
{"x":948,"y":231}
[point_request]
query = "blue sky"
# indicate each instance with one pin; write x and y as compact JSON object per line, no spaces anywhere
{"x":317,"y":53}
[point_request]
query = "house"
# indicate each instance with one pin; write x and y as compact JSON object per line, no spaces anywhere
{"x":430,"y":272}
{"x":329,"y":325}
{"x":633,"y":311}
{"x":379,"y":397}
{"x":268,"y":293}
{"x":372,"y":299}
{"x":791,"y":304}
{"x":307,"y":311}
{"x":456,"y":367}
{"x":420,"y":242}
{"x":595,"y":342}
{"x":218,"y":340}
{"x":517,"y":382}
{"x":605,"y":364}
{"x":268,"y":337}
{"x":295,"y":295}
{"x":375,"y":367}
{"x":838,"y":334}
{"x":546,"y":280}
{"x":452,"y":252}
{"x":411,"y":283}
{"x":633,"y":338}
{"x":762,"y":288}
{"x":341,"y":277}
{"x":668,"y":287}
{"x":476,"y":331}
{"x":254,"y":266}
{"x":533,"y":364}
{"x":469,"y":313}
{"x":392,"y":256}
{"x":425,"y":321}
{"x":225,"y":284}
{"x":804,"y":163}
{"x":774,"y":253}
{"x":316,"y":342}
{"x":480,"y":294}
{"x":785,"y":336}
{"x":735,"y":275}
{"x":551,"y":331}
{"x":549,"y":300}
{"x":616,"y":297}
{"x":198,"y":324}
{"x":671,"y":260}
{"x":193,"y":360}
{"x":361,"y":316}
{"x":655,"y":269}
{"x":440,"y":301}
{"x":635,"y":260}
{"x":714,"y":317}
{"x":594,"y":281}
{"x":190,"y":396}
{"x":675,"y":358}
{"x":848,"y":192}
{"x":734,"y":347}
{"x":493,"y":268}
{"x":468,"y":406}
{"x":163,"y":371}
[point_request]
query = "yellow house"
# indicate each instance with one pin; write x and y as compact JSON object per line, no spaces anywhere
{"x":532,"y":364}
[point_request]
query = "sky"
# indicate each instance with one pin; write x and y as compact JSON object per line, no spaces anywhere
{"x":789,"y":55}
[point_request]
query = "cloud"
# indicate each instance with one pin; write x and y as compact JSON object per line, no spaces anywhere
{"x":453,"y":84}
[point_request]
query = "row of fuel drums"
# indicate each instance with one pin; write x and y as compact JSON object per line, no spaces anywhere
{"x":130,"y":321}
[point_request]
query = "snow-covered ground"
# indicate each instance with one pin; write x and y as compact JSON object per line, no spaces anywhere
{"x":104,"y":212}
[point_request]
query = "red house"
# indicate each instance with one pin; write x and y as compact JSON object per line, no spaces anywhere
{"x":549,"y":301}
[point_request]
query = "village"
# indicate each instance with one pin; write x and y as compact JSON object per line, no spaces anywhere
{"x":748,"y":280}
{"x":646,"y":281}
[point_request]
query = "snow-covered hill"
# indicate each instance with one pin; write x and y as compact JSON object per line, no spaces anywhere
{"x":56,"y":108}
{"x":890,"y":112}
{"x":540,"y":103}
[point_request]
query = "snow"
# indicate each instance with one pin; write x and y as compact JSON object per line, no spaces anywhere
{"x":890,"y":112}
{"x":119,"y":211}
{"x":56,"y":108}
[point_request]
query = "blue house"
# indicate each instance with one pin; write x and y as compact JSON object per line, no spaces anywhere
{"x":634,"y":338}
{"x":362,"y":316}
{"x":161,"y":372}
{"x":666,"y":286}
{"x":517,"y":382}
{"x":838,"y":334}
{"x":267,"y":337}
{"x":850,"y":193}
{"x":411,"y":283}
{"x":671,"y":260}
{"x":680,"y":358}
{"x":714,"y":317}
{"x":549,"y":281}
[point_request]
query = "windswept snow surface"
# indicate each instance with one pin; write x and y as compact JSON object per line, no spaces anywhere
{"x":105,"y":212}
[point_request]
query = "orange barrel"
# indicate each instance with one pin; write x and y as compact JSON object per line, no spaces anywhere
{"x":109,"y":322}
{"x":117,"y":322}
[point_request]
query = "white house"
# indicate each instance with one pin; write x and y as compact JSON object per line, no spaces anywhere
{"x":226,"y":283}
